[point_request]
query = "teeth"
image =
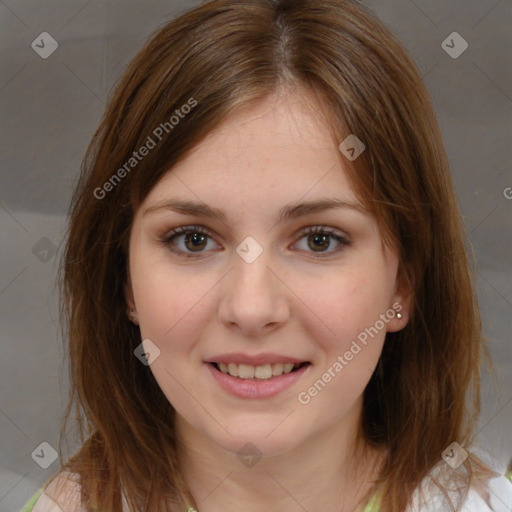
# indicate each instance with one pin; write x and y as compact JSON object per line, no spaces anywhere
{"x":232,"y":369}
{"x":245,"y":371}
{"x":262,"y":372}
{"x":287,"y":367}
{"x":277,"y":369}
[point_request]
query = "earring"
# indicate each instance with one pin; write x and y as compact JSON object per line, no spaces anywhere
{"x":399,"y":316}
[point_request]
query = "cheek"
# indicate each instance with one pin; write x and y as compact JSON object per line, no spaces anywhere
{"x":345,"y":305}
{"x":351,"y":306}
{"x":172,"y":304}
{"x":160,"y":307}
{"x":172,"y":310}
{"x":349,"y":349}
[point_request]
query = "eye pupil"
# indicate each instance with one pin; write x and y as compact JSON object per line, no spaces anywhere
{"x":322,"y":239}
{"x":197,"y":239}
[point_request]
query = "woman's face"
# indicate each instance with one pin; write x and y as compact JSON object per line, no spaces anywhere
{"x":252,"y":288}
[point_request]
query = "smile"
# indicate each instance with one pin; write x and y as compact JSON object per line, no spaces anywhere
{"x":261,"y":381}
{"x":261,"y":372}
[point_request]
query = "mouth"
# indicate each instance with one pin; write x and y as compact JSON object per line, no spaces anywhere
{"x":263,"y":372}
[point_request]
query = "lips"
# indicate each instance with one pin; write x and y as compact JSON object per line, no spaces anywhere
{"x":253,"y":387}
{"x":261,"y":366}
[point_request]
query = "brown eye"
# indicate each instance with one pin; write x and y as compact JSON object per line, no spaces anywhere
{"x":318,"y":242}
{"x":320,"y":239}
{"x":194,"y":240}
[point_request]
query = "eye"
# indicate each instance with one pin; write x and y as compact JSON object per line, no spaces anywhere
{"x":318,"y":239}
{"x":195,"y":239}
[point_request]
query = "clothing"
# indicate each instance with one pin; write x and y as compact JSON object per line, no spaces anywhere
{"x":500,"y":493}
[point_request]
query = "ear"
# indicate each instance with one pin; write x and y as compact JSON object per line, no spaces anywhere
{"x":130,"y":302}
{"x":401,"y":302}
{"x":128,"y":294}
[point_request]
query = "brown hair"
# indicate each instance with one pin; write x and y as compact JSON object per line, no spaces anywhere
{"x":227,"y":56}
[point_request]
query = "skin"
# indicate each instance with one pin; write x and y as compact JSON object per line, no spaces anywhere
{"x":288,"y":301}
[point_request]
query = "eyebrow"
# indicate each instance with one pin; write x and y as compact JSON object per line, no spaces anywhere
{"x":290,"y":211}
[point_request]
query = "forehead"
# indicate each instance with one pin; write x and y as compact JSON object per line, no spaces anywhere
{"x":279,"y":151}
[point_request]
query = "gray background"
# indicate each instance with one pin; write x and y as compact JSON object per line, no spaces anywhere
{"x":51,"y":107}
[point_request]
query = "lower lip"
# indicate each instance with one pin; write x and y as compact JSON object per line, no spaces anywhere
{"x":251,"y":388}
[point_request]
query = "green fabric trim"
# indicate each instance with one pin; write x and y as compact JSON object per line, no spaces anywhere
{"x":30,"y":505}
{"x":374,"y":504}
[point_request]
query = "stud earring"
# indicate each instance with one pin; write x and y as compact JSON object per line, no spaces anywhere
{"x":399,"y":316}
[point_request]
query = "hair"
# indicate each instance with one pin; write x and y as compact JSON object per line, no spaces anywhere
{"x":228,"y":56}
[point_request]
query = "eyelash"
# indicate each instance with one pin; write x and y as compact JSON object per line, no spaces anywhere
{"x":182,"y":230}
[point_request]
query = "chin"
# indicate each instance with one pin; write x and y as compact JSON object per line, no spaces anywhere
{"x":257,"y":442}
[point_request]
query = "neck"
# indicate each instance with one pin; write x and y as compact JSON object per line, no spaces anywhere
{"x":329,"y":471}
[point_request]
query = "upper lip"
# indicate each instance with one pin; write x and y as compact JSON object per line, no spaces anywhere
{"x":256,"y":360}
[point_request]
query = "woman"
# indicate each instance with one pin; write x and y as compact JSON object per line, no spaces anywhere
{"x":268,"y":298}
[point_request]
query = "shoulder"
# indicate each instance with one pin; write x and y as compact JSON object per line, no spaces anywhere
{"x":493,"y":495}
{"x":62,"y":494}
{"x":498,"y":499}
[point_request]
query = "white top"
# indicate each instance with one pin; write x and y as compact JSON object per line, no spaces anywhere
{"x":498,"y":490}
{"x":494,"y":496}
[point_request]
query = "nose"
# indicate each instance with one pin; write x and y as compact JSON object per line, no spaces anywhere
{"x":254,"y":299}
